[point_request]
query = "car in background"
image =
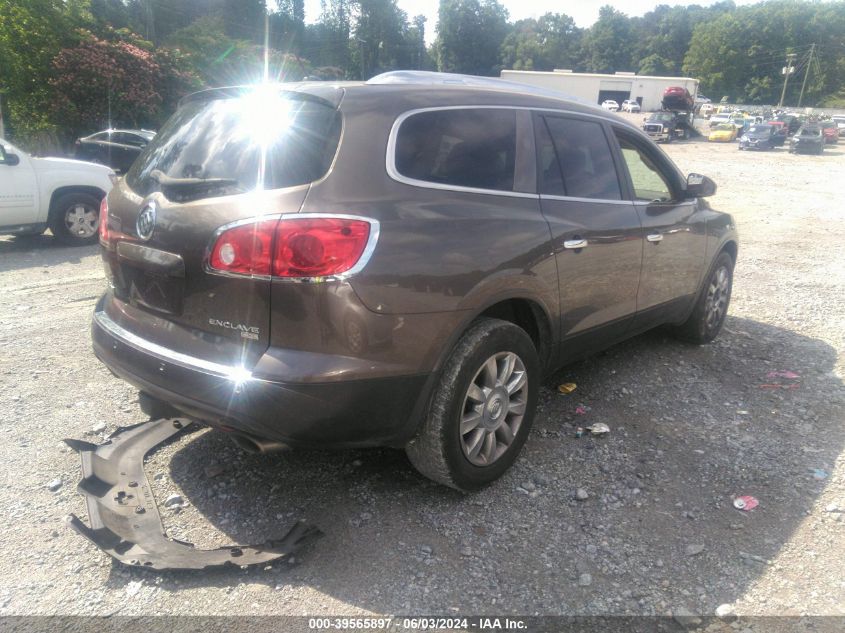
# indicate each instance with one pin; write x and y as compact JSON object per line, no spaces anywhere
{"x":758,"y":136}
{"x":61,"y":194}
{"x":839,"y":119}
{"x":793,"y":123}
{"x":610,"y":104}
{"x":702,"y":100}
{"x":808,"y":140}
{"x":629,"y":105}
{"x":781,"y":132}
{"x":706,"y":110}
{"x":677,"y":98}
{"x":830,"y":131}
{"x":723,"y":133}
{"x":719,"y":118}
{"x":221,"y":272}
{"x":742,"y":122}
{"x":665,"y":126}
{"x":116,"y":148}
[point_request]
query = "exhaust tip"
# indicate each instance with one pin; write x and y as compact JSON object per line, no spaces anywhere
{"x":257,"y":445}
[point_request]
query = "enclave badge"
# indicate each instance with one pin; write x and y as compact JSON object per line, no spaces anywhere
{"x":146,"y":222}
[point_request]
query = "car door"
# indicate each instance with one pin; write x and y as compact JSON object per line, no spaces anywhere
{"x":674,"y":228}
{"x":18,"y":189}
{"x":125,"y":149}
{"x":596,"y":234}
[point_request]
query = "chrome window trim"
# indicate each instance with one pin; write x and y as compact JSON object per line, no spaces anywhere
{"x":366,"y":254}
{"x":230,"y":372}
{"x":549,"y":196}
{"x":390,"y":157}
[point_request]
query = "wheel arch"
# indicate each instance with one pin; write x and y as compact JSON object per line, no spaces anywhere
{"x":529,"y":315}
{"x":731,"y":248}
{"x":61,"y":191}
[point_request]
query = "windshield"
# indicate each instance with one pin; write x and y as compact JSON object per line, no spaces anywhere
{"x":760,"y":129}
{"x":9,"y":148}
{"x":258,"y":140}
{"x":725,"y":127}
{"x":809,"y":131}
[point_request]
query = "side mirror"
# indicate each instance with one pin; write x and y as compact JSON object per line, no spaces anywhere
{"x":11,"y":160}
{"x":699,"y":186}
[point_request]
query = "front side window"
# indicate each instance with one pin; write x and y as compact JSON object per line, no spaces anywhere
{"x":584,"y":160}
{"x":464,"y":148}
{"x":650,"y":184}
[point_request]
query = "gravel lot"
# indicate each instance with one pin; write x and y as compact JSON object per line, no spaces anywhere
{"x":691,"y":428}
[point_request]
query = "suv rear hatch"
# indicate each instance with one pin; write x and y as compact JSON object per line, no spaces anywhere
{"x":225,"y":157}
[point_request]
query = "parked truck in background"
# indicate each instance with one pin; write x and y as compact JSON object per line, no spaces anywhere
{"x":56,"y":193}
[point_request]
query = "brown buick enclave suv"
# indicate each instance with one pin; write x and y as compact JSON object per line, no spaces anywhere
{"x":396,"y":262}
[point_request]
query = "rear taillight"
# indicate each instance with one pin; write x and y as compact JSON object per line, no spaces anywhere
{"x":104,"y":221}
{"x":292,"y":247}
{"x":245,"y":249}
{"x":318,"y":247}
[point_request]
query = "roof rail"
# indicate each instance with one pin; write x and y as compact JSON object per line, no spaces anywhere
{"x":425,"y":77}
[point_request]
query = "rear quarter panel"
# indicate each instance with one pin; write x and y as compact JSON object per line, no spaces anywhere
{"x":442,"y":256}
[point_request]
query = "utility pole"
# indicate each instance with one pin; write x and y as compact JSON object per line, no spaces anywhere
{"x":787,"y":70}
{"x":2,"y":126}
{"x":806,"y":74}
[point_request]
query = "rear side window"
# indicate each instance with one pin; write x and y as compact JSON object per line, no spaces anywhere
{"x":465,"y":148}
{"x":584,"y":167}
{"x":254,"y":141}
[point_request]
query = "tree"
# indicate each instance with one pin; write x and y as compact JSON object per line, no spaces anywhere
{"x":382,"y":36}
{"x":608,"y":44}
{"x":121,"y":81}
{"x":469,"y":36}
{"x":552,"y":41}
{"x":31,"y":33}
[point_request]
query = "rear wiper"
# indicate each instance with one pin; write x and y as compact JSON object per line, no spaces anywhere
{"x":188,"y":183}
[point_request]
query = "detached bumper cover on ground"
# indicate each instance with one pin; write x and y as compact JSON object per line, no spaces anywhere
{"x":125,"y":522}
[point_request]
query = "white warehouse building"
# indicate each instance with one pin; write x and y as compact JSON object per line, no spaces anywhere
{"x":595,"y":88}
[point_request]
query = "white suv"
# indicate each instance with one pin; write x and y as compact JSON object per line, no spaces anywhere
{"x":630,"y":106}
{"x":57,"y":193}
{"x":611,"y":105}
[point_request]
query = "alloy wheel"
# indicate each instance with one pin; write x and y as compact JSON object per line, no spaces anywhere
{"x":81,"y":220}
{"x":493,"y":409}
{"x":717,"y":297}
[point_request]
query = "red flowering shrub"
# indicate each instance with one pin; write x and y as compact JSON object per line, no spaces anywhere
{"x":138,"y":86}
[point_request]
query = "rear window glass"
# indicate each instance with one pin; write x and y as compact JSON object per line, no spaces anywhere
{"x":467,"y":148}
{"x":254,"y":141}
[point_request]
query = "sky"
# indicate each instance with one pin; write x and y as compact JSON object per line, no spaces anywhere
{"x":585,"y":12}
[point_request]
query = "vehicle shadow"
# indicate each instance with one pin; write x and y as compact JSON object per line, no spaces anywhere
{"x":38,"y":251}
{"x":691,"y":428}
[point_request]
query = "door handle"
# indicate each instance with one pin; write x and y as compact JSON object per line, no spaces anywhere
{"x":575,"y":244}
{"x":654,"y":237}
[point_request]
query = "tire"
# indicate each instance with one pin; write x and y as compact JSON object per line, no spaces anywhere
{"x":706,"y":320}
{"x":75,"y":219}
{"x":484,"y":452}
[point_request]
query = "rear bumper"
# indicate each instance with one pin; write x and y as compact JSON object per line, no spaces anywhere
{"x":363,"y":412}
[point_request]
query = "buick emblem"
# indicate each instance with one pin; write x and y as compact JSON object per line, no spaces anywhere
{"x":146,"y":223}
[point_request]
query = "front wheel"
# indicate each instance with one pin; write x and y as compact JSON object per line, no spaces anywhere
{"x":74,"y":219}
{"x":482,"y":408}
{"x":711,"y":307}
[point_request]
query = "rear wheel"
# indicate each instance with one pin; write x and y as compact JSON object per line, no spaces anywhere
{"x":482,"y":408}
{"x":711,"y":307}
{"x":74,"y":219}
